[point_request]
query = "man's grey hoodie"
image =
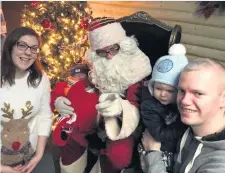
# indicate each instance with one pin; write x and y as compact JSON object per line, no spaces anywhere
{"x":195,"y":155}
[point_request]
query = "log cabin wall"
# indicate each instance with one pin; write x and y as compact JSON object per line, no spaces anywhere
{"x":204,"y":38}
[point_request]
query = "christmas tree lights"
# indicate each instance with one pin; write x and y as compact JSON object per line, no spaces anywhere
{"x":62,"y":26}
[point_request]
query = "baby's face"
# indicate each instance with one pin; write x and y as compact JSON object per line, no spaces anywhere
{"x":164,"y":93}
{"x":75,"y":78}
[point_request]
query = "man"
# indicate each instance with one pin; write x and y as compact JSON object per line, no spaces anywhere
{"x":117,"y":68}
{"x":201,"y":102}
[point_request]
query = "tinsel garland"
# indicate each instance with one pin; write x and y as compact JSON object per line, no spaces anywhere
{"x":207,"y":8}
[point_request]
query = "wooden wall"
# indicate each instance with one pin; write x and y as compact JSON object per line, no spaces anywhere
{"x":12,"y":13}
{"x":204,"y":38}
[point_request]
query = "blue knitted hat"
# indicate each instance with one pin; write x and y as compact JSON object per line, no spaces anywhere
{"x":167,"y":69}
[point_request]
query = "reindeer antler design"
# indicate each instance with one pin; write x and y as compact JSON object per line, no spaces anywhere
{"x":8,"y":111}
{"x":28,"y":109}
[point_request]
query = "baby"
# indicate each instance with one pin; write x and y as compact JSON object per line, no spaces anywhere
{"x":159,"y":112}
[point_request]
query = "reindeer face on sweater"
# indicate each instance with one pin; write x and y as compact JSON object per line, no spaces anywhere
{"x":15,"y":132}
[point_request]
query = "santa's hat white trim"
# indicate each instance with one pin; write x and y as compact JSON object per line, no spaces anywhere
{"x":107,"y":35}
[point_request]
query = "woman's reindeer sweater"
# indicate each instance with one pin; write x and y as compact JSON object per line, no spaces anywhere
{"x":25,"y":114}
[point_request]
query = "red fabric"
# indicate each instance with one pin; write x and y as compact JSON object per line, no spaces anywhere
{"x":57,"y":92}
{"x":118,"y":155}
{"x":84,"y":106}
{"x":132,"y":94}
{"x":99,"y":22}
{"x":56,"y":134}
{"x":71,"y":152}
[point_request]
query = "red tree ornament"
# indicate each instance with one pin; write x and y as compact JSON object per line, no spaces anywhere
{"x":35,"y":3}
{"x":84,"y":24}
{"x":46,"y":23}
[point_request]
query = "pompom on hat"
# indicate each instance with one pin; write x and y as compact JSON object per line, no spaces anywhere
{"x":167,"y":69}
{"x":104,"y":32}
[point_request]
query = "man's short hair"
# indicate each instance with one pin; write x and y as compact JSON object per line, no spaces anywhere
{"x":205,"y":63}
{"x":202,"y":62}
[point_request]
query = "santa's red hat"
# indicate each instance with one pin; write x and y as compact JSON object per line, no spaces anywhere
{"x":104,"y":32}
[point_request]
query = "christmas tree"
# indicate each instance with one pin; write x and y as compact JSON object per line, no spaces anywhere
{"x":62,"y":26}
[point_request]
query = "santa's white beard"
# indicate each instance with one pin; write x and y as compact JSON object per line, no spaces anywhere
{"x":107,"y":75}
{"x":120,"y":72}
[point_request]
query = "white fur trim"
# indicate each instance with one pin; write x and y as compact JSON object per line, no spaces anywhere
{"x":140,"y":68}
{"x":106,"y":35}
{"x":78,"y":166}
{"x":129,"y":45}
{"x":96,"y":168}
{"x":130,"y":120}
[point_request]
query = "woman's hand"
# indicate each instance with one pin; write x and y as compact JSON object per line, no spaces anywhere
{"x":149,"y":142}
{"x":8,"y":169}
{"x":31,"y":164}
{"x":37,"y":157}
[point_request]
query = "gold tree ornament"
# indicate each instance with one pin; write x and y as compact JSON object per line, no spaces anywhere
{"x":62,"y":26}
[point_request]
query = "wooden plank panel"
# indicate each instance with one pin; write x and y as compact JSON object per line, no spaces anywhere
{"x":205,"y":52}
{"x":101,"y":10}
{"x":202,"y":38}
{"x":184,"y":6}
{"x":163,"y":5}
{"x":200,"y":30}
{"x":206,"y":42}
{"x":186,"y":17}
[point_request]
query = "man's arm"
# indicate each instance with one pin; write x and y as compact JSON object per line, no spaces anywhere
{"x":153,"y":158}
{"x":155,"y":163}
{"x":213,"y":162}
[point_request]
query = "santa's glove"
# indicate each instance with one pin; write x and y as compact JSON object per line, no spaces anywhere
{"x":109,"y":105}
{"x":62,"y":105}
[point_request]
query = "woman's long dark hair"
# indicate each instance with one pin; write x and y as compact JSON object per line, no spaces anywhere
{"x":8,"y":69}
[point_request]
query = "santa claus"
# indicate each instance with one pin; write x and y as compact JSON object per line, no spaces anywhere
{"x":117,"y":67}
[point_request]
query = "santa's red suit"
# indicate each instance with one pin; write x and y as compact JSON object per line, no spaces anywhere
{"x":118,"y":150}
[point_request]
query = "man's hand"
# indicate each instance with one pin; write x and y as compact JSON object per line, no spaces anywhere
{"x":61,"y":104}
{"x":109,"y":105}
{"x":8,"y":169}
{"x":149,"y":142}
{"x":31,"y":164}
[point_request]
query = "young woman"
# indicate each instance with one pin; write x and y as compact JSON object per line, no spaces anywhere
{"x":24,"y":106}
